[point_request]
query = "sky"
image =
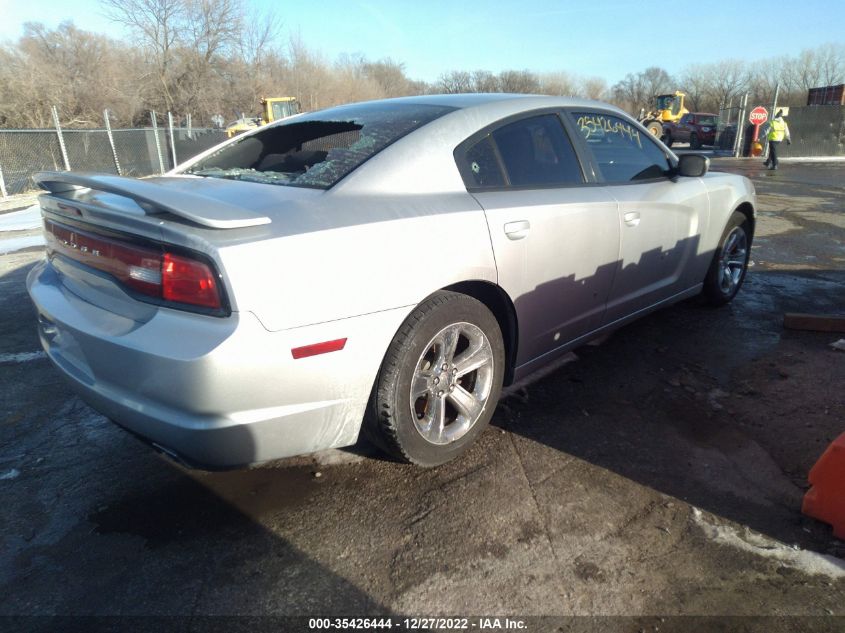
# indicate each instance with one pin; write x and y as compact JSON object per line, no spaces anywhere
{"x":603,"y":38}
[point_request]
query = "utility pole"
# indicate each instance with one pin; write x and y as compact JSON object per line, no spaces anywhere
{"x":62,"y":147}
{"x":3,"y":191}
{"x":111,"y":142}
{"x":158,"y":142}
{"x":172,"y":140}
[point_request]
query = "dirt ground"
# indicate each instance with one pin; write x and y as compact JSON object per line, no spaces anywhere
{"x":658,"y":475}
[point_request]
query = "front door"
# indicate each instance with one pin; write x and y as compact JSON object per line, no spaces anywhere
{"x":661,"y":216}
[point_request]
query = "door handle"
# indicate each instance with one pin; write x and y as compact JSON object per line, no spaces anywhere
{"x":517,"y":230}
{"x":632,"y":218}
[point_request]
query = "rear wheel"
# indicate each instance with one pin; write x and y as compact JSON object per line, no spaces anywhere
{"x":694,"y":143}
{"x":730,"y":262}
{"x":440,"y":381}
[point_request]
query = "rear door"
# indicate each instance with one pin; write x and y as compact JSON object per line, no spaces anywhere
{"x":661,"y":216}
{"x":555,"y":237}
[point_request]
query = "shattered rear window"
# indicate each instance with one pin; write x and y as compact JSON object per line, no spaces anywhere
{"x":317,"y":149}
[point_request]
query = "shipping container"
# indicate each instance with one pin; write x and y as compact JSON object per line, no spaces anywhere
{"x":827,"y":95}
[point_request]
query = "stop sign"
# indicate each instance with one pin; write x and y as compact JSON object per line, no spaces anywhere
{"x":758,"y":116}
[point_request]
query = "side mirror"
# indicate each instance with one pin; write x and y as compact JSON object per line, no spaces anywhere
{"x":693,"y":165}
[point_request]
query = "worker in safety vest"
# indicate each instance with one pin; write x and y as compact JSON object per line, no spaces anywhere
{"x":778,"y":131}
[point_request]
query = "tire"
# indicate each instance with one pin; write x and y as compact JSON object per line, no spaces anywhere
{"x":694,"y":143}
{"x":730,"y":262}
{"x":655,"y":128}
{"x":450,"y":409}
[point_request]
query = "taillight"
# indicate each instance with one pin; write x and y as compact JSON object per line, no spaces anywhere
{"x":147,"y":270}
{"x":188,"y":281}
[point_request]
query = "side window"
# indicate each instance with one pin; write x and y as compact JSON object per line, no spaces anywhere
{"x":537,"y":152}
{"x":676,"y":105}
{"x":686,"y":119}
{"x":621,"y":152}
{"x":484,"y":170}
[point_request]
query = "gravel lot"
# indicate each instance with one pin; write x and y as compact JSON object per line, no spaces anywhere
{"x":660,"y":474}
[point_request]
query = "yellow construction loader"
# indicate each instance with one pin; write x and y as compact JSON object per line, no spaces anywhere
{"x":667,"y":108}
{"x":272,"y":109}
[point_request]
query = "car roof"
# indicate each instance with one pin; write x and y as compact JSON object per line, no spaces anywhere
{"x":496,"y":100}
{"x":422,"y":161}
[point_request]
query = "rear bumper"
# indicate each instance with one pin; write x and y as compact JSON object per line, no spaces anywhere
{"x":216,"y":392}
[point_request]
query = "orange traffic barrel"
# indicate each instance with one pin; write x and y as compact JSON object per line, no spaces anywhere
{"x":825,"y":500}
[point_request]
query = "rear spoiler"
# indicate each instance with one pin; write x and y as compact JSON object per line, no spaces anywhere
{"x":154,"y":198}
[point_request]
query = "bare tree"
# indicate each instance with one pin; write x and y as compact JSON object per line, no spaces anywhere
{"x":523,"y":81}
{"x":728,"y":79}
{"x":630,"y":93}
{"x":764,"y":78}
{"x":831,"y":59}
{"x":259,"y":29}
{"x":657,"y":81}
{"x":813,"y":68}
{"x":220,"y":57}
{"x":158,"y":23}
{"x":390,"y":77}
{"x":558,"y":83}
{"x":455,"y":81}
{"x":484,"y":81}
{"x":694,"y":82}
{"x":593,"y":88}
{"x":79,"y":71}
{"x":637,"y":91}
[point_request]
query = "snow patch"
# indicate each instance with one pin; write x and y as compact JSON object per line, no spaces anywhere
{"x":755,"y":543}
{"x":20,"y":243}
{"x":812,"y":159}
{"x":22,"y":357}
{"x":21,"y":220}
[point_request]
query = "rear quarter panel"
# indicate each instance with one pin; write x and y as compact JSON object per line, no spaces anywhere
{"x":383,"y":252}
{"x":398,"y":228}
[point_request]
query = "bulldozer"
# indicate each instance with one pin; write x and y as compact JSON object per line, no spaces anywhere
{"x":272,"y":109}
{"x":668,"y":108}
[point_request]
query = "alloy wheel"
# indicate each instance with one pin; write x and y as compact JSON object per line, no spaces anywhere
{"x":452,"y":382}
{"x":733,"y":260}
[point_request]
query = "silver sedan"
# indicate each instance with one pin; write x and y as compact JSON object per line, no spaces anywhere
{"x":382,"y":267}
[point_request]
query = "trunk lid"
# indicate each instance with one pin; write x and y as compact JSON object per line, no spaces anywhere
{"x":180,"y":216}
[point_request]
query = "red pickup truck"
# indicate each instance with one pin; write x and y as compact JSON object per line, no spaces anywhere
{"x":695,"y":128}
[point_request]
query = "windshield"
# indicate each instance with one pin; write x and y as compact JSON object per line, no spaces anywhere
{"x":317,"y":149}
{"x":707,"y":120}
{"x":665,"y":102}
{"x":282,"y":109}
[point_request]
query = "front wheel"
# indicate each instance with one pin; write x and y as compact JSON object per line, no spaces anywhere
{"x":730,"y":262}
{"x":655,"y":128}
{"x":439,"y":382}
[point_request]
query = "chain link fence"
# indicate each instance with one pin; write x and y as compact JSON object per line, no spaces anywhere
{"x":729,"y":121}
{"x":136,"y":152}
